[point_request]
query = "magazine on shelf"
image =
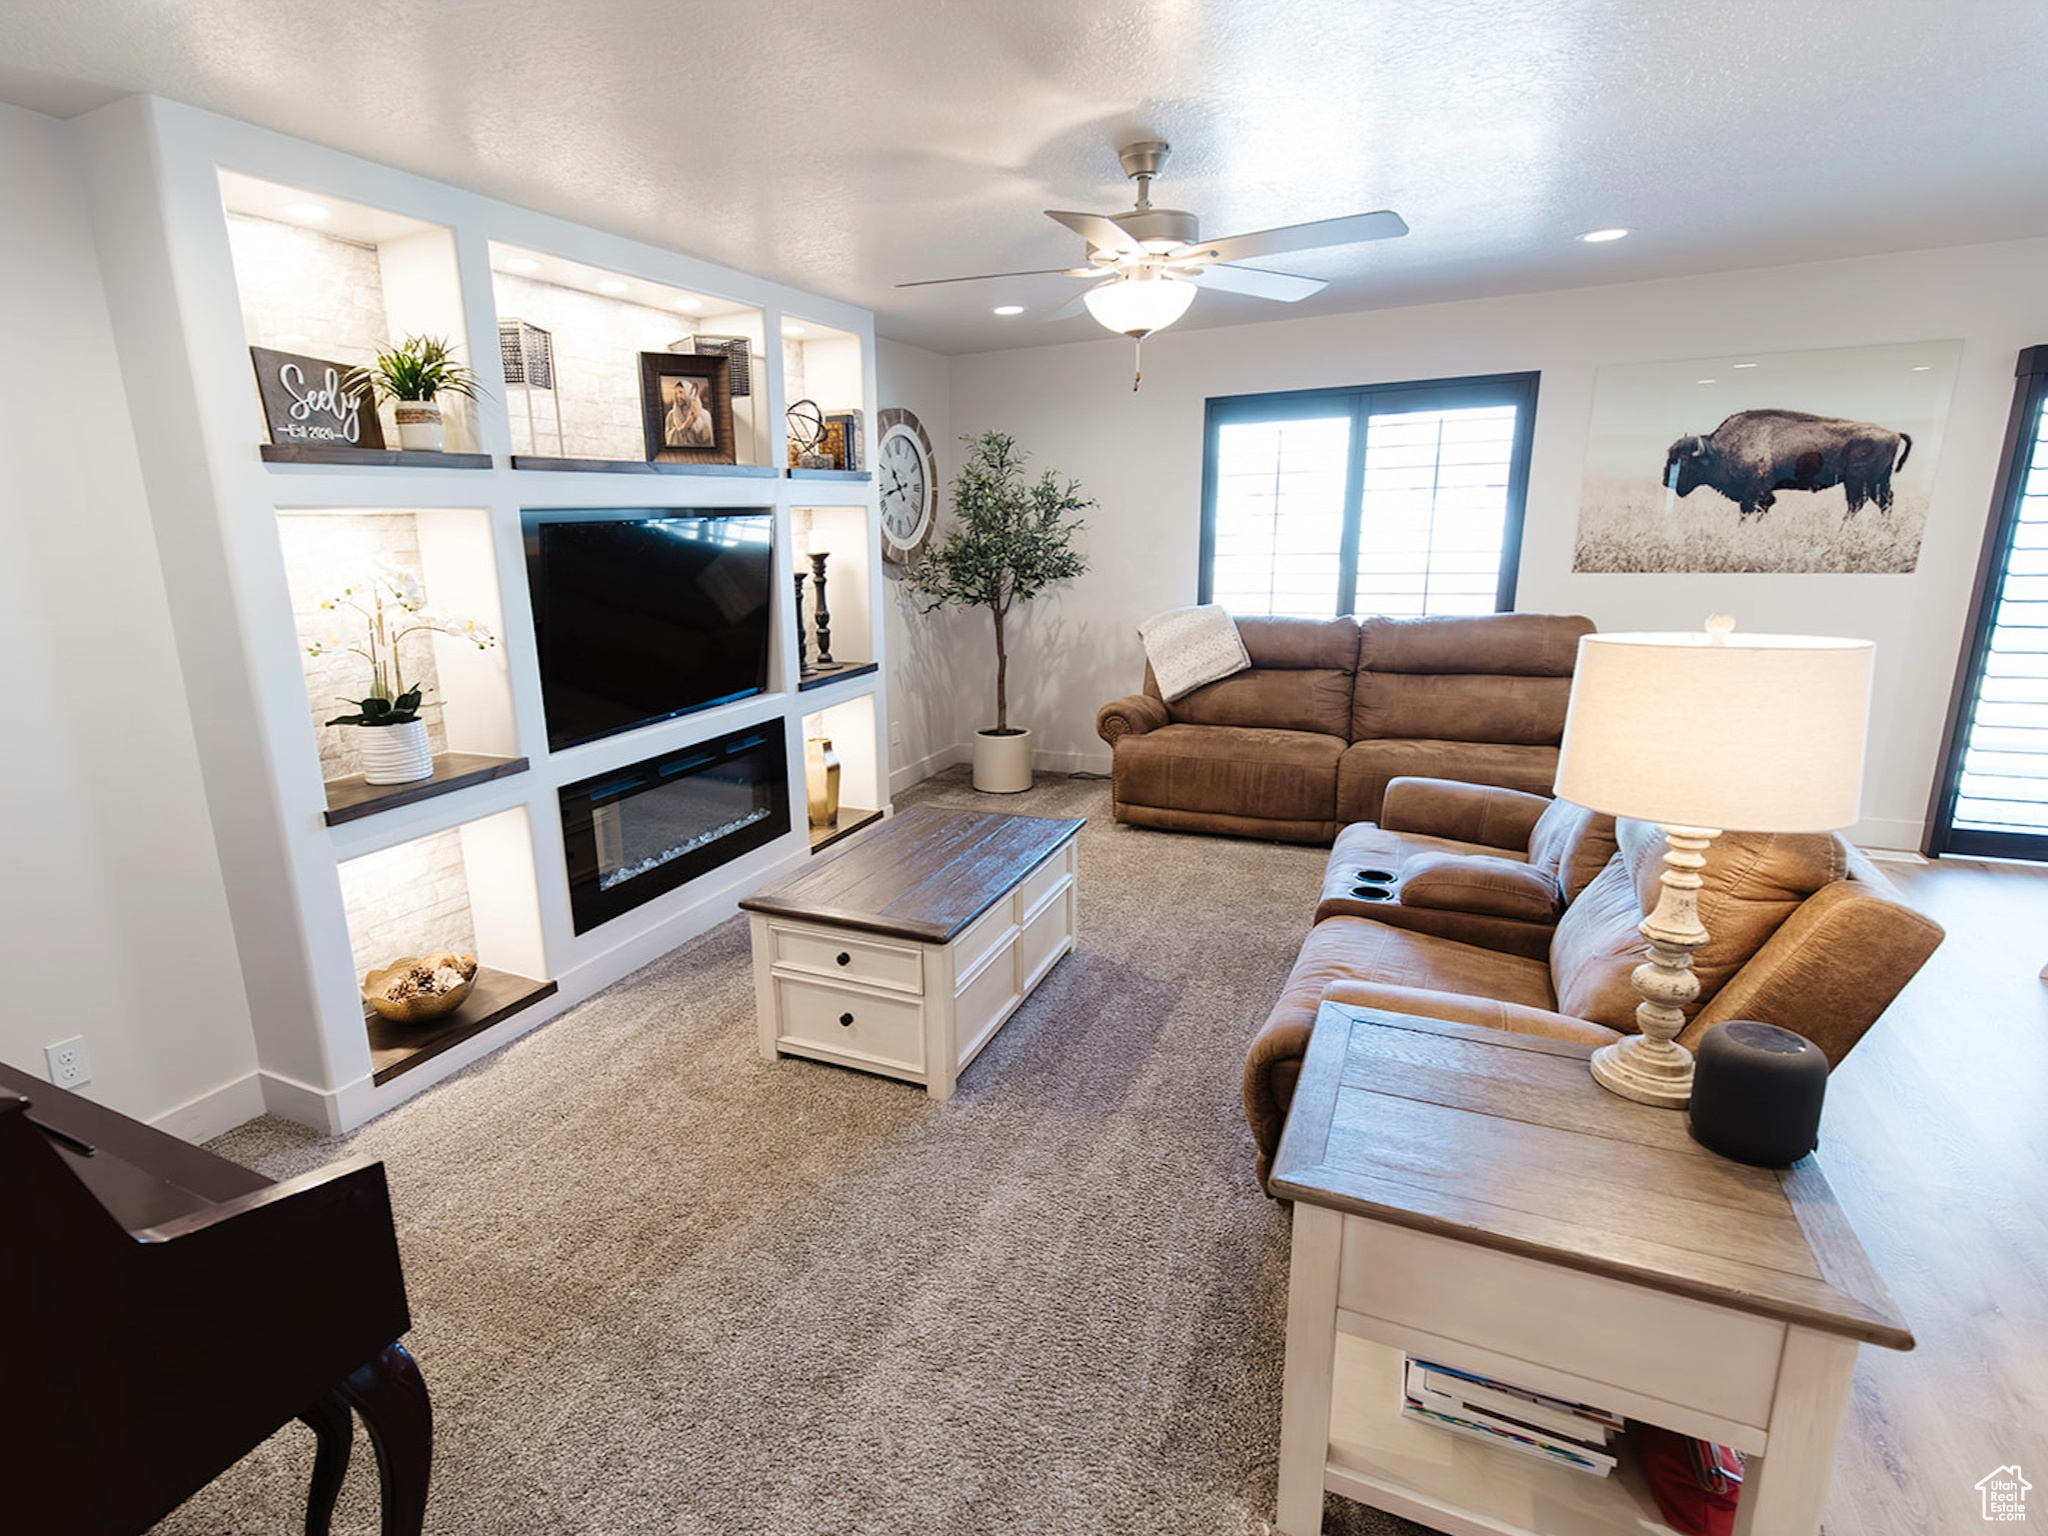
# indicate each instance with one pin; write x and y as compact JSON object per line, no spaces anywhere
{"x":1579,"y":1422}
{"x":1554,"y":1449}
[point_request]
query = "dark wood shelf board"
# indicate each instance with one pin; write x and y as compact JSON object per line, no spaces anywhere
{"x":838,"y":672}
{"x":377,"y":458}
{"x":353,"y":798}
{"x":851,"y":475}
{"x":396,"y":1048}
{"x":851,"y":820}
{"x":640,"y":467}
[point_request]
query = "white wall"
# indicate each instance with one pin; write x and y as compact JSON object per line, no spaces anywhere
{"x":113,"y":915}
{"x":924,"y":650}
{"x":1141,"y":456}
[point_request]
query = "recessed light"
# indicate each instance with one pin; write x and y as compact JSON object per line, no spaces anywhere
{"x":793,"y":330}
{"x":521,"y":264}
{"x":1745,"y":365}
{"x":1602,"y":236}
{"x":612,"y":285}
{"x":689,"y":303}
{"x":1009,"y":309}
{"x":1706,"y":381}
{"x":311,"y":213}
{"x":1922,"y":367}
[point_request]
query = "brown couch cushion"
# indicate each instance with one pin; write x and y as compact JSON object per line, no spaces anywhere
{"x":1752,"y":883}
{"x":1279,"y":775}
{"x":1356,"y":949}
{"x":1478,"y":882}
{"x":1363,"y":845}
{"x":1525,"y":644}
{"x":1369,"y":766}
{"x":1460,"y":1009}
{"x":1301,"y":679}
{"x":1572,"y":844}
{"x":1461,"y":706}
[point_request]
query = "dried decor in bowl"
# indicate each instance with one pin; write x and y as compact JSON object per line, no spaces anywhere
{"x":418,"y":989}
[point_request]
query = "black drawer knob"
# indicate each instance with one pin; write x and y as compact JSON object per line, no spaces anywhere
{"x":845,"y":958}
{"x":846,"y":1018}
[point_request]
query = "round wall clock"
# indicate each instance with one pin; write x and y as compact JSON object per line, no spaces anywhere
{"x":909,"y":485}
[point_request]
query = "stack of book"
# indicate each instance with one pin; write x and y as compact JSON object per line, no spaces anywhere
{"x":1566,"y":1434}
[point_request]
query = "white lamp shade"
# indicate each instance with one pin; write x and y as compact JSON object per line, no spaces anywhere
{"x":1761,"y":733}
{"x":1138,"y":306}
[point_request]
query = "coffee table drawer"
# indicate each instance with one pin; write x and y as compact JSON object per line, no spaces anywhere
{"x":858,"y":1025}
{"x":1042,"y":880}
{"x":864,"y":960}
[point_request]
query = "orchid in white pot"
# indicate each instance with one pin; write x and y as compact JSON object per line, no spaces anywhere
{"x":391,"y":737}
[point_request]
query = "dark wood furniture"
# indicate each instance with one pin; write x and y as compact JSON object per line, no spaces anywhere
{"x":167,"y":1310}
{"x":1472,"y":1196}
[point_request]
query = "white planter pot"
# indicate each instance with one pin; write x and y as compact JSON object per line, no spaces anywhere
{"x":394,"y":754}
{"x":1002,"y":764}
{"x":419,"y":426}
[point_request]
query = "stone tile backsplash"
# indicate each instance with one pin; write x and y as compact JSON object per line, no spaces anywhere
{"x":408,"y":900}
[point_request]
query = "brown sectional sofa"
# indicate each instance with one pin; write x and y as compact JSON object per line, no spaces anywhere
{"x":1330,"y":711}
{"x":1805,"y":932}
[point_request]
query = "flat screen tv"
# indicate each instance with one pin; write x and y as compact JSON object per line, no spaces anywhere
{"x":641,"y":617}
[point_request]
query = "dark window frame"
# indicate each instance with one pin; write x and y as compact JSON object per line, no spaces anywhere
{"x":1941,"y":834}
{"x":1358,"y":402}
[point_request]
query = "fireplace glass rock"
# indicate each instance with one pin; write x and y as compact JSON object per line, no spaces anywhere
{"x":642,"y":830}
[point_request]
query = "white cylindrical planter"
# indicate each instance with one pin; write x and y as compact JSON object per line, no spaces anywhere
{"x":419,"y":425}
{"x":1002,"y":764}
{"x":395,"y":754}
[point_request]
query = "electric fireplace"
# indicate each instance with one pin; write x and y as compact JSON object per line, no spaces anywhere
{"x":640,"y":831}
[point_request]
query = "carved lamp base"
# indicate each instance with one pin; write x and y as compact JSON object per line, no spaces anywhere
{"x":1651,"y":1067}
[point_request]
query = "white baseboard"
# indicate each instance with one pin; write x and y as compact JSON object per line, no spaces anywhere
{"x":214,"y":1112}
{"x":901,"y":779}
{"x":316,"y":1108}
{"x":1072,"y":762}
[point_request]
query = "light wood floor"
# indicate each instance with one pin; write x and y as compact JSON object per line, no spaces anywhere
{"x":1936,"y":1141}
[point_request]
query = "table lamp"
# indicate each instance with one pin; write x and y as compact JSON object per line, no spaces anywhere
{"x":1702,"y":733}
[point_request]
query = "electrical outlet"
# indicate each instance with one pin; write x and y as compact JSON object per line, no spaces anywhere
{"x":69,"y":1066}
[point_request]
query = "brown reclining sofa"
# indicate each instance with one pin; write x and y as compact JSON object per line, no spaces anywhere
{"x":1306,"y":740}
{"x":1518,"y":912}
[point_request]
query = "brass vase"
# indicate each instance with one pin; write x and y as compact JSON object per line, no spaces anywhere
{"x":821,"y":780}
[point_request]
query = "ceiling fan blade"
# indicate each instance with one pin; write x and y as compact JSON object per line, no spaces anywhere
{"x":983,"y":277}
{"x":1100,"y":233}
{"x":1308,"y":237}
{"x":1260,"y":284}
{"x":1066,"y":311}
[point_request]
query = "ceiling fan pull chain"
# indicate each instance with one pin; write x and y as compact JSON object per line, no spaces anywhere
{"x":1137,"y":362}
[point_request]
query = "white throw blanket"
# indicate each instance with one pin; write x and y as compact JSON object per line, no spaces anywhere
{"x":1192,"y":646}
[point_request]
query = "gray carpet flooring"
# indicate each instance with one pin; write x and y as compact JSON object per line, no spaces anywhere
{"x":660,"y":1285}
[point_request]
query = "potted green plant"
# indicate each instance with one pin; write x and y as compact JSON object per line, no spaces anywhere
{"x":391,"y":739}
{"x":1012,"y":540}
{"x":413,"y":375}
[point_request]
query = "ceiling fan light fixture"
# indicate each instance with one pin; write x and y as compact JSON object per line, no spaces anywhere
{"x":1138,"y":306}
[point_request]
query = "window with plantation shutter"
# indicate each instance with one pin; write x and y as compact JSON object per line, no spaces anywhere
{"x":1400,"y":499}
{"x":1991,"y":798}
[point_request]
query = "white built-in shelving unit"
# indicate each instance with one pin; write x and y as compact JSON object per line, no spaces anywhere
{"x":220,"y":250}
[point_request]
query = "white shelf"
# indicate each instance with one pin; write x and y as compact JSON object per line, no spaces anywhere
{"x":1459,"y":1485}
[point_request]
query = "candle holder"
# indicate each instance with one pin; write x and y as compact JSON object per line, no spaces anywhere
{"x":821,"y":616}
{"x":803,"y":660}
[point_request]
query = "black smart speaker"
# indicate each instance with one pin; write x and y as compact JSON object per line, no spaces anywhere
{"x":1756,"y":1093}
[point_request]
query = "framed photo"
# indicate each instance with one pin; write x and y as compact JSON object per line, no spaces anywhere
{"x":686,"y":408}
{"x":1810,"y":462}
{"x":311,"y":401}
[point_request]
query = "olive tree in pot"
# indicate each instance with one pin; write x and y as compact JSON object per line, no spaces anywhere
{"x":413,"y":376}
{"x":1013,"y":539}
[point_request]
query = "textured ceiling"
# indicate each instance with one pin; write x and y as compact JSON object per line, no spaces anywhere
{"x":846,"y":147}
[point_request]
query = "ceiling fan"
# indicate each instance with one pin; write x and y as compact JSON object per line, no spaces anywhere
{"x":1150,"y":260}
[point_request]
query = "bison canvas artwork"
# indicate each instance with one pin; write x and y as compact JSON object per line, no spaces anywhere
{"x":1765,"y":461}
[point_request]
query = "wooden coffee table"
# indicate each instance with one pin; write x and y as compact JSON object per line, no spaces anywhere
{"x":1472,"y":1197}
{"x":905,"y":950}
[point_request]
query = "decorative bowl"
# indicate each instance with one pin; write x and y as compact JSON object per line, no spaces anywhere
{"x":419,"y":989}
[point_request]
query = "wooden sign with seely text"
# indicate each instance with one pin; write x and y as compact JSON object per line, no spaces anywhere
{"x":309,"y":401}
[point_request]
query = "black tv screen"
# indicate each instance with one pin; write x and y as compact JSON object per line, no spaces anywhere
{"x":639,"y":619}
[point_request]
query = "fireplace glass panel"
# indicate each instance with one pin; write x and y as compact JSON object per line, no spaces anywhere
{"x":640,"y":831}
